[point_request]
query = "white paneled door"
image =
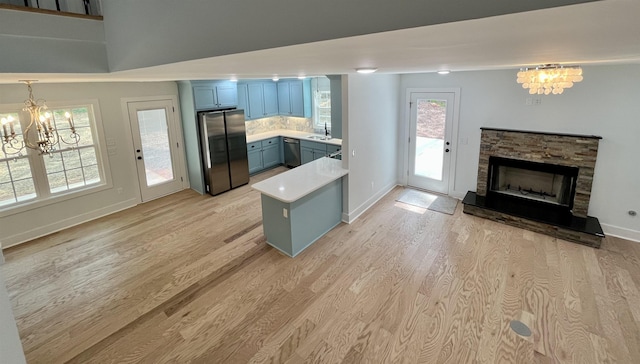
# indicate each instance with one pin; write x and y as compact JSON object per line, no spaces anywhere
{"x":157,"y":151}
{"x":431,"y":123}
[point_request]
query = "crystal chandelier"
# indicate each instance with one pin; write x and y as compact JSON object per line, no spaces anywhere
{"x":41,"y":133}
{"x":549,"y":79}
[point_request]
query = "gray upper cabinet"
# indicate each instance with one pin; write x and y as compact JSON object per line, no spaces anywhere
{"x":256,"y":100}
{"x":270,"y":99}
{"x":208,"y":95}
{"x":227,"y":94}
{"x":296,"y":94}
{"x":294,"y":98}
{"x":284,"y":99}
{"x":243,"y":100}
{"x":262,"y":99}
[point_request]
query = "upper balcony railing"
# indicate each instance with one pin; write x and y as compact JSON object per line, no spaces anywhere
{"x":82,"y":8}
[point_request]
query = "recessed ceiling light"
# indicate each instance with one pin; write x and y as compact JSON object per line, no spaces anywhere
{"x":366,"y":70}
{"x":276,"y":78}
{"x":444,"y":72}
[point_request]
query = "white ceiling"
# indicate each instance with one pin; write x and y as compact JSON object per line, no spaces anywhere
{"x":602,"y":32}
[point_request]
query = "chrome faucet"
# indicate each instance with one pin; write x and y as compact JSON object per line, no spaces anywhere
{"x":326,"y":131}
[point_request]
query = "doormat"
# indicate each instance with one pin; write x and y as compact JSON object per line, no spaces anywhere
{"x":444,"y":204}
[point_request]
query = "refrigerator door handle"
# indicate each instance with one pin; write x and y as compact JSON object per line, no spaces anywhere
{"x":205,"y":140}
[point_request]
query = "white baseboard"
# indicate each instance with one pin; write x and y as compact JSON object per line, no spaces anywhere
{"x":66,"y":223}
{"x":349,"y":218}
{"x":620,"y":232}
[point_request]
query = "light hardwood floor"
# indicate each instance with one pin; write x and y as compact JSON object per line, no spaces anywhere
{"x":189,"y":278}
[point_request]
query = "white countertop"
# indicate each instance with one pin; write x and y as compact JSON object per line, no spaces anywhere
{"x":291,"y":134}
{"x":294,"y":184}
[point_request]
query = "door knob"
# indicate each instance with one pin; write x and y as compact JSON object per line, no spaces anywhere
{"x":137,"y":150}
{"x":448,"y":143}
{"x":141,"y":157}
{"x":447,"y":150}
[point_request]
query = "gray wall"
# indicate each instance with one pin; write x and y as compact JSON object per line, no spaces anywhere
{"x":604,"y":104}
{"x":145,"y":33}
{"x":44,"y":43}
{"x":371,"y":126}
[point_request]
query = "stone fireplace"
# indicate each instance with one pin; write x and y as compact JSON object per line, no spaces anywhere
{"x":538,"y":181}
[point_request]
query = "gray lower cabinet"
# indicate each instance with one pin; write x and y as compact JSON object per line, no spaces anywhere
{"x":270,"y":156}
{"x":254,"y":156}
{"x":306,"y":155}
{"x":269,"y":153}
{"x":264,"y":154}
{"x":255,"y":161}
{"x":311,"y":151}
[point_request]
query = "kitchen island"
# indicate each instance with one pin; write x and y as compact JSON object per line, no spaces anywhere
{"x":301,"y":205}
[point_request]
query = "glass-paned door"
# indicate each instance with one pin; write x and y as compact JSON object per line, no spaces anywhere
{"x":430,"y":140}
{"x":157,"y":152}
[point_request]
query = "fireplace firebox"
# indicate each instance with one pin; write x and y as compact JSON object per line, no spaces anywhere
{"x":537,"y":181}
{"x":543,"y":182}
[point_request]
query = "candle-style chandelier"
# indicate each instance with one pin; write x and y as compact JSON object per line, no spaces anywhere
{"x":549,"y":78}
{"x":41,"y":133}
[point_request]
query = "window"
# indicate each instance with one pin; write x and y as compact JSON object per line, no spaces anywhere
{"x":27,"y":176}
{"x":321,"y":102}
{"x":16,"y":182}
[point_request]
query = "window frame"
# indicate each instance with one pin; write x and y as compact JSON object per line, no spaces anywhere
{"x":315,"y":88}
{"x":44,"y":196}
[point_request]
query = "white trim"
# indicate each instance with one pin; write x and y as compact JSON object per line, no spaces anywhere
{"x":45,"y":197}
{"x":454,"y":132}
{"x":620,"y":232}
{"x":41,"y":231}
{"x":177,"y":114}
{"x":54,"y":199}
{"x":351,"y":217}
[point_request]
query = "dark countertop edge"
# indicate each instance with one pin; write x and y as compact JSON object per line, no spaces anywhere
{"x":470,"y":198}
{"x":543,"y":133}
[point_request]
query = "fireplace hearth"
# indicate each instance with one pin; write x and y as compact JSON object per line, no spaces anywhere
{"x":537,"y":181}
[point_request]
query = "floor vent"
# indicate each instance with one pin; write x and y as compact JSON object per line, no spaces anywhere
{"x":520,"y":328}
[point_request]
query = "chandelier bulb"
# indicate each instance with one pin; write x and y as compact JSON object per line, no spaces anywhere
{"x":549,"y":78}
{"x":46,"y":139}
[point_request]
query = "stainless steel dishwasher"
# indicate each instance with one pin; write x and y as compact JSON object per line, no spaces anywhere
{"x":291,"y":152}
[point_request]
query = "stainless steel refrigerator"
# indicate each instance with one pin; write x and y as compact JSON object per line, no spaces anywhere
{"x":223,"y":144}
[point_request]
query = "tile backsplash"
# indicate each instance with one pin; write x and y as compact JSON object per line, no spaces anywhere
{"x":279,"y":122}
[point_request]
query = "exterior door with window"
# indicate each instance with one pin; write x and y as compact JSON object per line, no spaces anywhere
{"x":157,"y":148}
{"x":431,"y":121}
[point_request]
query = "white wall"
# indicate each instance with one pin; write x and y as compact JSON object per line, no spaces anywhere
{"x":371,"y":127}
{"x":43,"y":43}
{"x":604,"y":104}
{"x":43,"y":220}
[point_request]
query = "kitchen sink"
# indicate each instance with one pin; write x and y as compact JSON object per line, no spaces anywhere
{"x":318,"y":137}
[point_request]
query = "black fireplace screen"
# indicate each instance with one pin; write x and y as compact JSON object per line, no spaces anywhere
{"x":550,"y":183}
